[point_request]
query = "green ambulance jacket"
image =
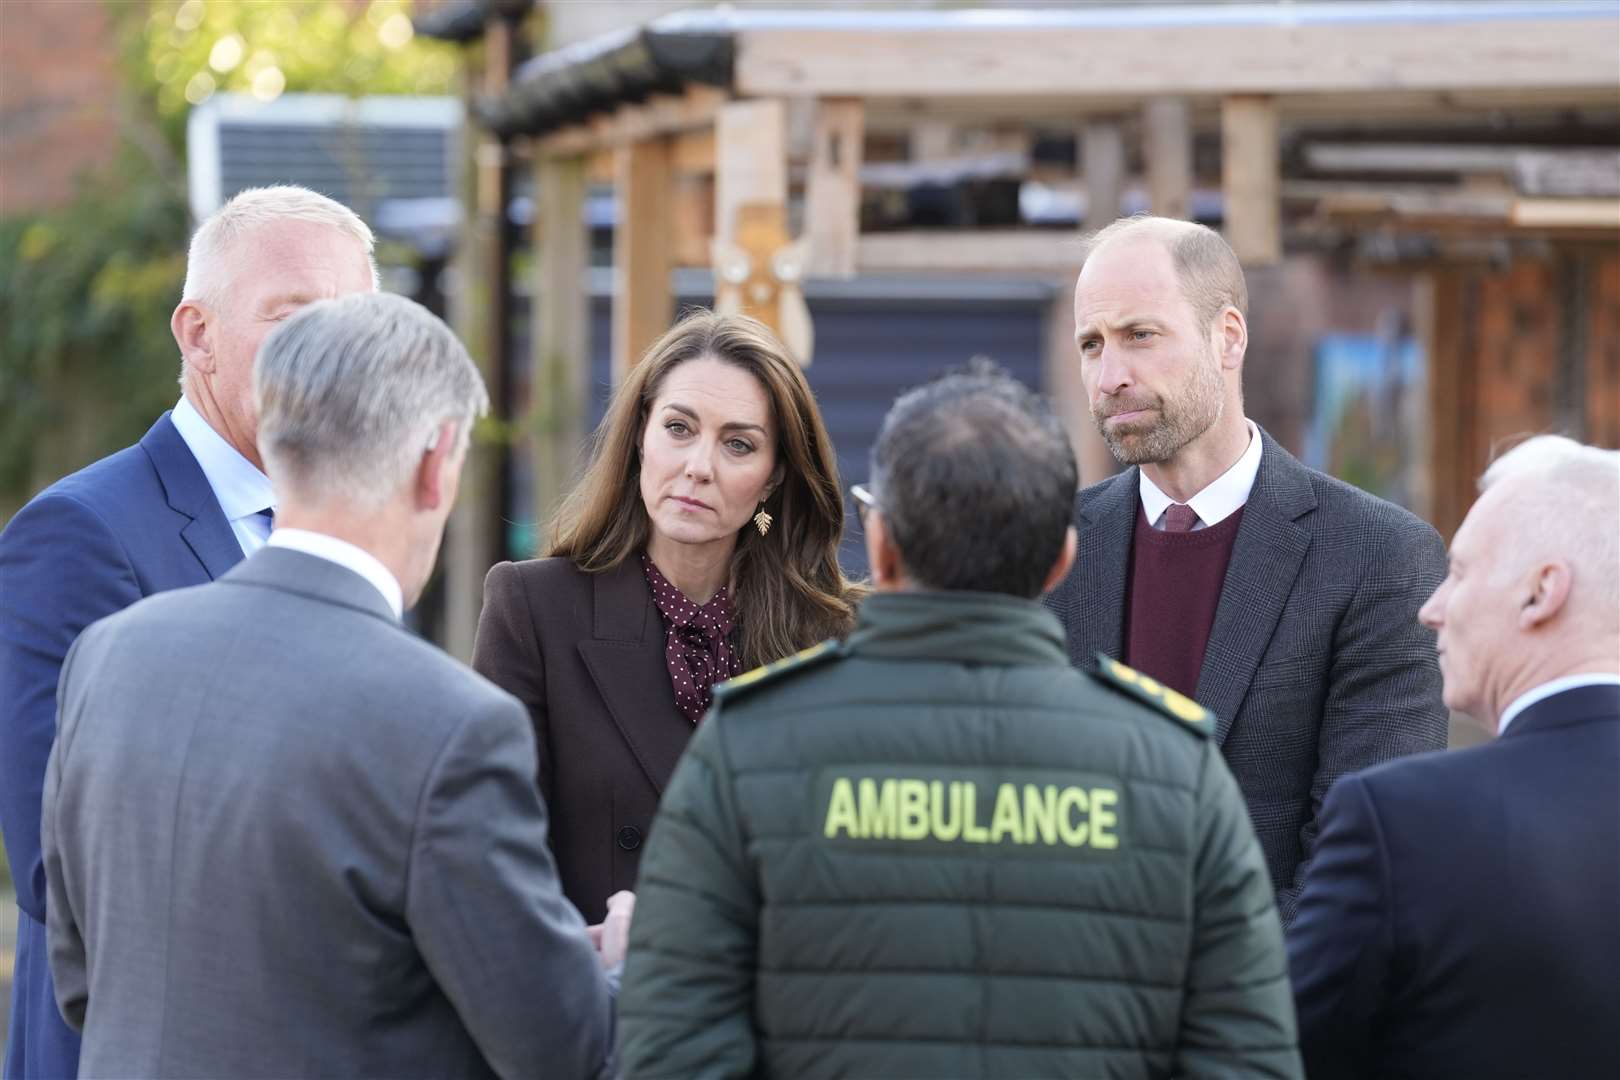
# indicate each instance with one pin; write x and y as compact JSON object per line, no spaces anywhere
{"x":939,"y":850}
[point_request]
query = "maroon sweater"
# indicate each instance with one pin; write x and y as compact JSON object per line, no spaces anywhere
{"x":1171,"y":593}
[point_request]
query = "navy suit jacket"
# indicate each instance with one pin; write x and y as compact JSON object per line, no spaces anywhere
{"x":1462,"y":914}
{"x":138,"y":522}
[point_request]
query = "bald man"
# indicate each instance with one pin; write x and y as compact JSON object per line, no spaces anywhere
{"x":1283,"y":600}
{"x":1462,"y":914}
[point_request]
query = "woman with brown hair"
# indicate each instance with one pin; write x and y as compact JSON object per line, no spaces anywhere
{"x":702,"y":541}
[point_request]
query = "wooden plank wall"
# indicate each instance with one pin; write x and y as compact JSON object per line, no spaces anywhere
{"x":1603,"y":354}
{"x":1507,"y":346}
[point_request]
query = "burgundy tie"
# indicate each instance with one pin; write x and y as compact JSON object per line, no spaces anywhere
{"x":1180,"y":518}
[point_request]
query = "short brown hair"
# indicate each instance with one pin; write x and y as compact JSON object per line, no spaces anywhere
{"x":787,"y":585}
{"x":1209,"y":271}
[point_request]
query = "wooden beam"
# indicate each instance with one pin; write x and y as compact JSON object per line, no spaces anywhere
{"x":1102,"y":163}
{"x":694,"y":152}
{"x":642,"y":250}
{"x":1261,"y":55}
{"x":832,"y":212}
{"x":750,"y":160}
{"x":952,"y":251}
{"x":1563,"y":170}
{"x":1167,"y":134}
{"x":691,"y":219}
{"x":1566,"y":214}
{"x":1349,"y":109}
{"x":933,"y":140}
{"x":560,"y":318}
{"x":1250,"y":178}
{"x":667,"y":114}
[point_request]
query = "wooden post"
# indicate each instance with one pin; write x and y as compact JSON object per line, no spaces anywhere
{"x":833,"y":190}
{"x":1102,"y":160}
{"x":1250,"y":178}
{"x":559,"y":390}
{"x":1167,"y":130}
{"x":642,"y":249}
{"x":933,"y":140}
{"x":750,"y":163}
{"x":475,"y":539}
{"x":759,"y":268}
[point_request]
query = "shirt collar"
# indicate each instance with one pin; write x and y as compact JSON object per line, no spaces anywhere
{"x":349,"y":557}
{"x":1221,"y":498}
{"x":1548,"y":689}
{"x":239,"y":486}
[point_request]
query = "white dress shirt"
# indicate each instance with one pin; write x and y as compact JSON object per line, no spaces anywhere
{"x":349,"y":557}
{"x":1548,"y":689}
{"x":1220,"y":499}
{"x":242,"y":490}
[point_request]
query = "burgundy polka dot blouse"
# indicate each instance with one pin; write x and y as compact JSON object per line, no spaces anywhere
{"x":697,"y":648}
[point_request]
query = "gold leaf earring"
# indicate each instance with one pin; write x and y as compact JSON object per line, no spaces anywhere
{"x":762,"y":520}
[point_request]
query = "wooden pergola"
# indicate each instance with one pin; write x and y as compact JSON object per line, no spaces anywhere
{"x":691,"y":116}
{"x":708,"y":122}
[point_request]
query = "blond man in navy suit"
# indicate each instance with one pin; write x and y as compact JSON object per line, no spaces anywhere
{"x":284,"y":836}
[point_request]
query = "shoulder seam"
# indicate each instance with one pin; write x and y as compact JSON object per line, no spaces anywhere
{"x":50,"y":494}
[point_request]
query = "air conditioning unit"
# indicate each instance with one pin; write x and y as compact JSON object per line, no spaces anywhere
{"x":393,"y":160}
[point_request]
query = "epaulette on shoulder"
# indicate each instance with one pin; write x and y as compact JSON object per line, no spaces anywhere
{"x":803,"y":660}
{"x":1178,"y":706}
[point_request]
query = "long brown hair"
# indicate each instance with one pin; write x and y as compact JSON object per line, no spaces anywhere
{"x":787,"y":586}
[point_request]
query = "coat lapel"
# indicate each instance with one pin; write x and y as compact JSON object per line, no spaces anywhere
{"x":1095,"y":616}
{"x":207,"y":532}
{"x":625,"y":656}
{"x":1266,"y":558}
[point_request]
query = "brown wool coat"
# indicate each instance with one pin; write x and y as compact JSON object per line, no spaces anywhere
{"x":585,"y":654}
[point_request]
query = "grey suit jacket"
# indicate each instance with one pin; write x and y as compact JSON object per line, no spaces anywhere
{"x":284,"y":837}
{"x":1316,"y":664}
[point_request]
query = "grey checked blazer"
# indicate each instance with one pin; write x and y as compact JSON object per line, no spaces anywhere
{"x":1316,"y":664}
{"x":284,"y":837}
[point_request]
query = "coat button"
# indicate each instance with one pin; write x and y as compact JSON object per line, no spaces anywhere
{"x":629,"y":838}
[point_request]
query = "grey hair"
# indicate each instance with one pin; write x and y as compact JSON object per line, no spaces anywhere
{"x":1566,"y":502}
{"x":1210,"y":274}
{"x":351,"y":391}
{"x":250,"y":209}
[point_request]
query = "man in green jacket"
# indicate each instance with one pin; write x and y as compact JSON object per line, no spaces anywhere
{"x":938,"y":850}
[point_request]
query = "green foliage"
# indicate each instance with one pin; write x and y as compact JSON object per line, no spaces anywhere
{"x":85,"y":296}
{"x":86,"y":357}
{"x":181,"y":53}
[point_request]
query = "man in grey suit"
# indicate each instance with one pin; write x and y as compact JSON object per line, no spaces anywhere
{"x":1283,"y":600}
{"x":283,"y":836}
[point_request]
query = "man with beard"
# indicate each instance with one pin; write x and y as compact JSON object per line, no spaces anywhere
{"x":1283,"y":600}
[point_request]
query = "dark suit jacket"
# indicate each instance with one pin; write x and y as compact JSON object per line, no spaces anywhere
{"x":1462,"y":914}
{"x":585,"y":653}
{"x":1316,"y":664}
{"x":139,"y":522}
{"x":285,"y":837}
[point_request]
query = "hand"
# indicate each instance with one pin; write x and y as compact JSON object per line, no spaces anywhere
{"x":611,"y":936}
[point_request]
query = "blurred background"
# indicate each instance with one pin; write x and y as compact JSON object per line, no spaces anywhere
{"x":1426,"y":196}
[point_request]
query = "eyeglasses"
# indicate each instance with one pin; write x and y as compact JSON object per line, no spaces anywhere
{"x":864,"y":503}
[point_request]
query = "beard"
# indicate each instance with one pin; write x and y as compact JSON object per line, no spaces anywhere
{"x":1171,"y":423}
